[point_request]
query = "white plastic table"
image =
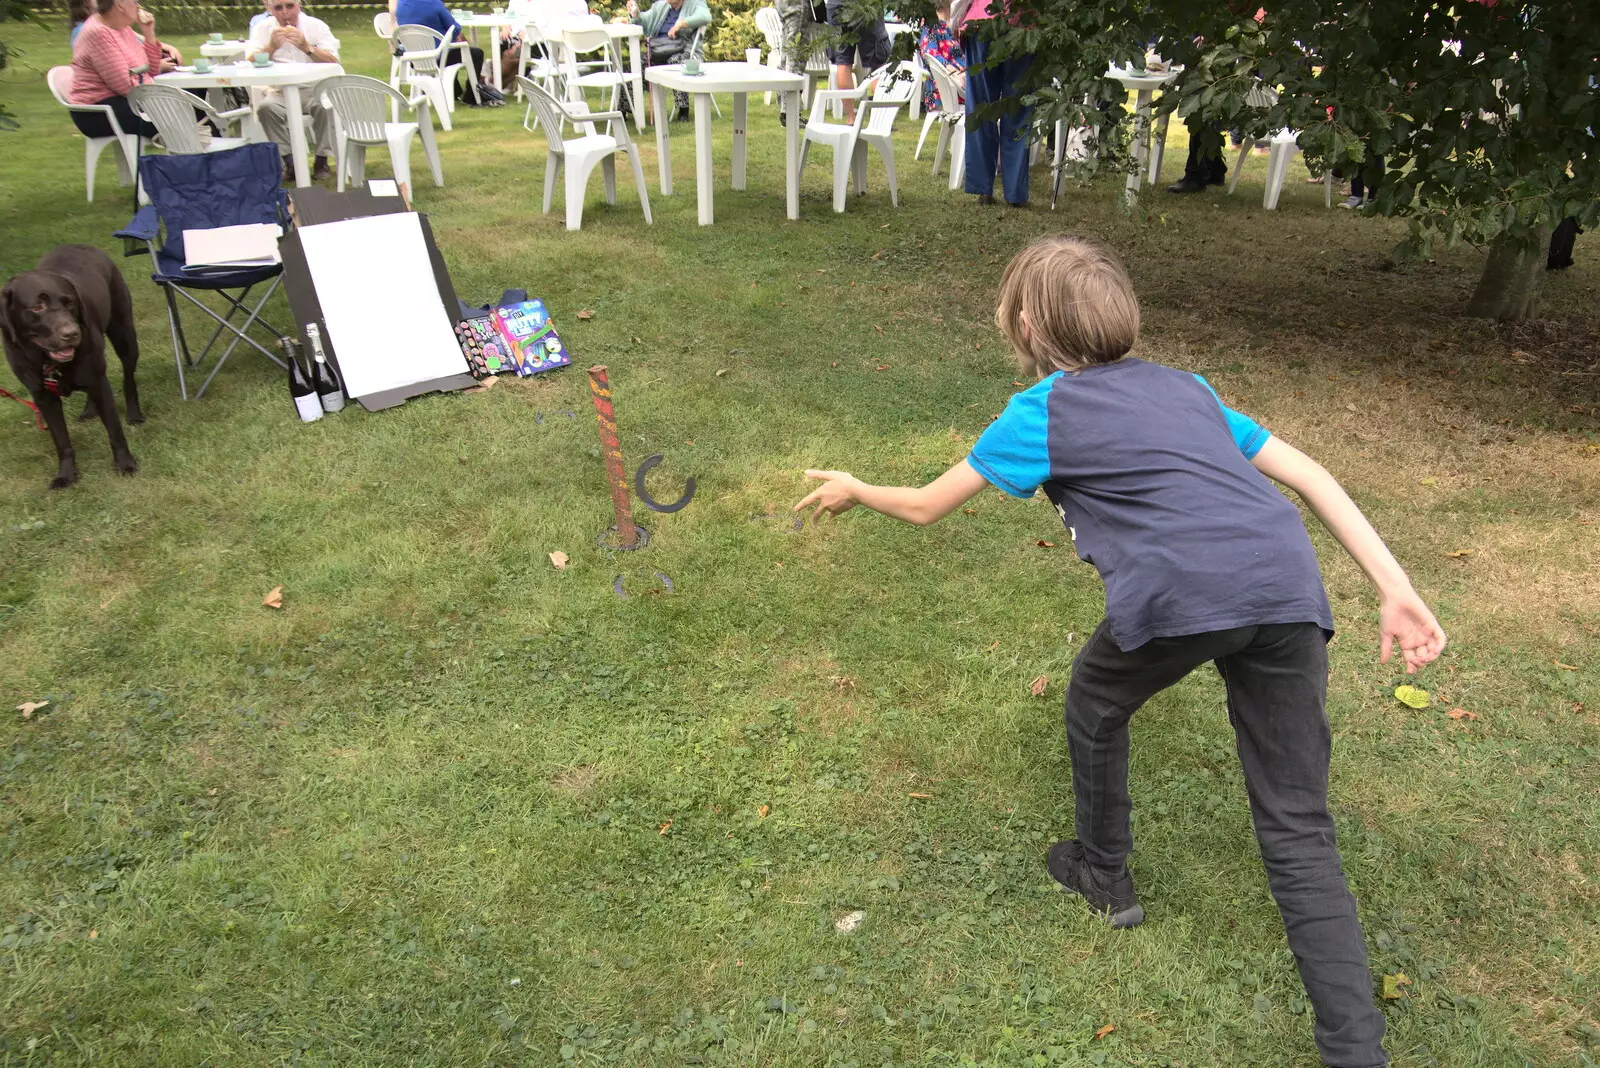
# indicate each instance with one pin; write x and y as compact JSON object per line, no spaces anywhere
{"x":494,"y":24}
{"x":1145,"y":83}
{"x":740,"y":79}
{"x":286,"y":76}
{"x":224,"y":49}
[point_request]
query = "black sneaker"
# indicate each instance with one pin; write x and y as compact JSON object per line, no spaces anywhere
{"x":1112,"y":897}
{"x":1186,"y":185}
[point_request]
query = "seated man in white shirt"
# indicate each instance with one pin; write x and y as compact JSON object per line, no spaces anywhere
{"x":292,"y":36}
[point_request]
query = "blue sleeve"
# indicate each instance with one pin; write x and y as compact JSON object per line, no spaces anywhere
{"x":1248,"y":434}
{"x":1013,"y":453}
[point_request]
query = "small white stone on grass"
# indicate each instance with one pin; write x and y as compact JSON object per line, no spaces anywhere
{"x":848,"y":923}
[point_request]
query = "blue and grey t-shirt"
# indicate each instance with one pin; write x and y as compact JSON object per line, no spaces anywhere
{"x":1152,"y":475}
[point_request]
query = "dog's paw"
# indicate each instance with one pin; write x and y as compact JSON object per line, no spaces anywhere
{"x":89,"y":412}
{"x":62,"y":481}
{"x":126,"y":464}
{"x":135,"y":417}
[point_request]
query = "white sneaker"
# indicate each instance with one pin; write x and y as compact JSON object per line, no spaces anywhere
{"x":1352,"y":202}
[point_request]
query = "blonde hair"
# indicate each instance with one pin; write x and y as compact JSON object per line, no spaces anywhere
{"x":1065,"y":304}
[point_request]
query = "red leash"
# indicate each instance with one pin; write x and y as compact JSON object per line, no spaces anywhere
{"x":37,"y":418}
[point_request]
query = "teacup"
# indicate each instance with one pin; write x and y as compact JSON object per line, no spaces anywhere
{"x":752,"y":56}
{"x":691,"y":65}
{"x":202,"y":65}
{"x":262,"y":59}
{"x":216,"y":38}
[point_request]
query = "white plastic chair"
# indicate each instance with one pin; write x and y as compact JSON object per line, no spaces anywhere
{"x":603,"y":72}
{"x":360,"y":105}
{"x":172,"y":112}
{"x":952,"y":116}
{"x":770,"y":24}
{"x":383,"y":26}
{"x":1280,"y":151}
{"x":535,"y":60}
{"x":60,"y":81}
{"x":425,"y":69}
{"x":580,"y":154}
{"x":873,"y":126}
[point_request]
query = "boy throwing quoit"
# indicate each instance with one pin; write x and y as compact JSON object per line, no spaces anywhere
{"x":1203,"y":560}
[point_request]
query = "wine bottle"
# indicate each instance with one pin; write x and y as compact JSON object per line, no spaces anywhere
{"x":305,"y":397}
{"x":322,"y":376}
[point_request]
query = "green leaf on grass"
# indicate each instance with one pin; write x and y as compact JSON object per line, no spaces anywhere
{"x":1393,"y":983}
{"x":1412,"y":696}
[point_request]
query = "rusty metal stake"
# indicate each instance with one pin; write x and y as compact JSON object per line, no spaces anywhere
{"x":600,"y":388}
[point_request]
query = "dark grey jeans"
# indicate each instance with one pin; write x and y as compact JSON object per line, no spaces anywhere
{"x":1277,"y":682}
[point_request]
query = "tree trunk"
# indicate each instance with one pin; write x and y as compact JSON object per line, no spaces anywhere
{"x":1508,"y":289}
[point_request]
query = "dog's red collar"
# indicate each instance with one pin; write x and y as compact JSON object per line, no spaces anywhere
{"x":52,"y":378}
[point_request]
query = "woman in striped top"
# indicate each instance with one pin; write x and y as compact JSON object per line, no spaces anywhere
{"x":108,"y":60}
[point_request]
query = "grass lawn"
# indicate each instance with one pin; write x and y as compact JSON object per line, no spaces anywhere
{"x":451,"y":806}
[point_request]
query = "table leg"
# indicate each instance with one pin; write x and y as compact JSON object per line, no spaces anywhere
{"x":791,"y":151}
{"x":297,"y":134}
{"x":702,"y":154}
{"x":636,"y":76}
{"x":1158,"y":148}
{"x":658,"y":104}
{"x":740,"y":112}
{"x":1141,"y":147}
{"x":494,"y":61}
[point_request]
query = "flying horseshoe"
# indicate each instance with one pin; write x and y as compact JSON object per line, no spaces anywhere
{"x":644,"y":496}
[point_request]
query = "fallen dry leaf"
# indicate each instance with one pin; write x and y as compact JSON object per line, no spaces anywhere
{"x":970,"y":511}
{"x":721,"y":372}
{"x":1461,"y":713}
{"x":638,"y":341}
{"x":28,"y":708}
{"x":1104,"y":1031}
{"x":1038,"y":685}
{"x":586,"y":314}
{"x":920,"y":797}
{"x":559,"y":559}
{"x":993,"y":646}
{"x":275,"y":598}
{"x":883,"y":367}
{"x":761,"y":813}
{"x":94,"y":932}
{"x":878,"y":255}
{"x":1563,"y":667}
{"x":977,"y":344}
{"x":1041,"y":543}
{"x":878,"y":328}
{"x":835,"y":363}
{"x":665,"y":827}
{"x":1459,"y":553}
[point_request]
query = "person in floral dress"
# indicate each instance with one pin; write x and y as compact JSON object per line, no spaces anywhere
{"x":937,"y":41}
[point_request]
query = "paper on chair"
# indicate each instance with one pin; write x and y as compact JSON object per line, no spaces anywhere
{"x":381,"y":302}
{"x":249,"y":245}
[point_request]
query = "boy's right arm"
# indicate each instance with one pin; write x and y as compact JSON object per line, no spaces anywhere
{"x":1403,"y":618}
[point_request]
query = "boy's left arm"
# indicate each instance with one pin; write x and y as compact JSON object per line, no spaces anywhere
{"x":842,"y":491}
{"x":1403,"y":618}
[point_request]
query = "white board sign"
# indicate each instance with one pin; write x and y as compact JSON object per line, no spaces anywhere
{"x":381,"y":303}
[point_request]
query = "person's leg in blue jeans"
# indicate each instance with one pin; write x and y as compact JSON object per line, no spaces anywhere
{"x":994,"y":146}
{"x":983,"y":138}
{"x":1014,"y":134}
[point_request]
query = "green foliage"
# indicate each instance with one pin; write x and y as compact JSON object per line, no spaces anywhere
{"x":11,"y":11}
{"x":1483,"y":116}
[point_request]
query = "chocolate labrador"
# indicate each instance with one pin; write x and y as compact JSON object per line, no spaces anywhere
{"x":55,"y":320}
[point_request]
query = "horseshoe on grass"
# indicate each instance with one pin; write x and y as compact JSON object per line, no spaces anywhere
{"x":644,"y":495}
{"x":616,"y":585}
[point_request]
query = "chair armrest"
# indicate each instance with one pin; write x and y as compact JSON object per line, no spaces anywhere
{"x":144,"y":226}
{"x":839,"y":94}
{"x":595,"y":116}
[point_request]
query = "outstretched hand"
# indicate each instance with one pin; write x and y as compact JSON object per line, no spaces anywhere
{"x":1405,"y":621}
{"x":834,"y":497}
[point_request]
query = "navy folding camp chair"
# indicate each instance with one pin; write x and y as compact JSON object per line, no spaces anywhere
{"x":202,"y":192}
